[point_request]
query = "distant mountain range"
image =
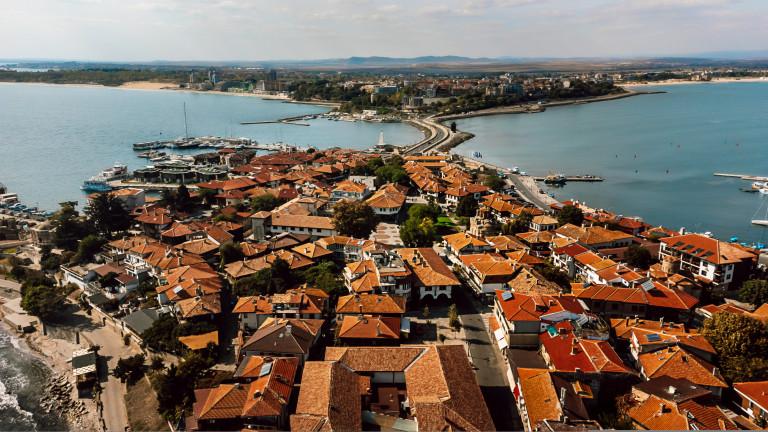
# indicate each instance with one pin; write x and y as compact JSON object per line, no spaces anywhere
{"x":445,"y":63}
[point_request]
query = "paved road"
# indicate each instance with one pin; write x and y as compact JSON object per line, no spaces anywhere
{"x":438,"y":134}
{"x":111,"y":349}
{"x":490,"y":367}
{"x":528,"y":189}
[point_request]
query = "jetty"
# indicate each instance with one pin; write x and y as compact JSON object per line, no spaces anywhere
{"x":573,"y":178}
{"x":743,"y":176}
{"x":287,"y":120}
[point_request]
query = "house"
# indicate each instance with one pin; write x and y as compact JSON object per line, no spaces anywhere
{"x":307,"y":303}
{"x":349,"y":190}
{"x":720,"y":263}
{"x":676,"y":362}
{"x":676,"y":404}
{"x":650,"y":300}
{"x":643,"y":335}
{"x":130,"y":197}
{"x":593,"y":362}
{"x":541,"y":395}
{"x":288,"y":337}
{"x":153,"y":220}
{"x":413,"y":388}
{"x":487,"y":272}
{"x":464,"y":243}
{"x":136,"y":323}
{"x":384,"y":273}
{"x":388,"y":200}
{"x":456,"y":193}
{"x":316,"y":226}
{"x":595,"y":237}
{"x":523,"y":317}
{"x":752,"y":399}
{"x":431,"y":277}
{"x":543,"y":223}
{"x":368,"y":330}
{"x":347,"y":248}
{"x":259,"y":399}
{"x":79,"y":275}
{"x":530,"y":281}
{"x":537,"y":241}
{"x":370,"y":304}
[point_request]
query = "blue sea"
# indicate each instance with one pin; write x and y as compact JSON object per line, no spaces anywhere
{"x":657,"y":152}
{"x":54,"y":137}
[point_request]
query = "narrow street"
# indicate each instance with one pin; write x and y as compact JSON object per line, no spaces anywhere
{"x":111,"y":349}
{"x":490,"y":367}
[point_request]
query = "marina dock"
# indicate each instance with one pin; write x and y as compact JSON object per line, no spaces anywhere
{"x":743,"y":177}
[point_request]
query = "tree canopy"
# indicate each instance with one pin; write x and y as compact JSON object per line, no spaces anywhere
{"x":754,"y":291}
{"x":639,"y":256}
{"x":741,"y":343}
{"x":520,"y":224}
{"x":570,"y":214}
{"x":88,"y":248}
{"x":354,"y":218}
{"x":70,"y":228}
{"x":108,"y":215}
{"x":494,"y":182}
{"x":325,"y":276}
{"x":467,"y":206}
{"x":42,"y":300}
{"x":266,"y":202}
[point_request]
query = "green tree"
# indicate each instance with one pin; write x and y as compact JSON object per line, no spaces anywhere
{"x":207,"y":196}
{"x":325,"y":276}
{"x":554,"y":274}
{"x":754,"y":291}
{"x":108,"y":215}
{"x":425,"y":312}
{"x":354,"y":218}
{"x":42,"y":301}
{"x":570,"y":214}
{"x":638,"y":256}
{"x":230,"y":252}
{"x":453,"y":317}
{"x":70,"y":228}
{"x":88,"y":248}
{"x":157,"y":364}
{"x":421,"y":211}
{"x":175,"y":387}
{"x":467,"y":206}
{"x":518,"y":225}
{"x":266,"y":202}
{"x":418,"y":233}
{"x":274,"y":279}
{"x":741,"y":343}
{"x":161,"y":334}
{"x":494,"y":182}
{"x":130,"y":369}
{"x":184,"y":201}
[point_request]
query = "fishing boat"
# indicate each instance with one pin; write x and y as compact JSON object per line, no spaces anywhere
{"x":759,"y":185}
{"x":762,"y":222}
{"x":150,"y":145}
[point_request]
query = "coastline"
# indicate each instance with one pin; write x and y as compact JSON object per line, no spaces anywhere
{"x":688,"y":82}
{"x":54,"y":354}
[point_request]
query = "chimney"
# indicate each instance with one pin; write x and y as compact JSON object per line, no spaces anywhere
{"x":563,"y":394}
{"x":661,"y":408}
{"x":626,"y":321}
{"x":672,"y":390}
{"x":574,"y":347}
{"x":378,"y":328}
{"x":288,"y":328}
{"x":661,"y":322}
{"x":715,"y":371}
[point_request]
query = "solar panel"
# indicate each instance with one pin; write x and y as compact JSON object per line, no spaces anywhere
{"x":647,"y":285}
{"x":266,"y":368}
{"x":653,"y":337}
{"x":506,"y":295}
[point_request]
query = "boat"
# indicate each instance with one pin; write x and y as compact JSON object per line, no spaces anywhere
{"x":762,"y":222}
{"x":764,"y":191}
{"x":150,"y":145}
{"x":100,"y":182}
{"x":555,"y":179}
{"x":95,"y":184}
{"x":759,"y":185}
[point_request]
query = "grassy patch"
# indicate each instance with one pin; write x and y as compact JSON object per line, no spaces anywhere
{"x":141,"y":404}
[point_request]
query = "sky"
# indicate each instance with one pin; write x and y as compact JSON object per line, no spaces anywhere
{"x":221,"y":30}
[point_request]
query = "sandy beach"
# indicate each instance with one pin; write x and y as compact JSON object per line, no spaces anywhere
{"x":147,"y":85}
{"x":686,"y":82}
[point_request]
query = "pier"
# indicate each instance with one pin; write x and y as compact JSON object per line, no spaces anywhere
{"x":573,"y":178}
{"x":743,"y":177}
{"x":287,"y":120}
{"x":120,"y":184}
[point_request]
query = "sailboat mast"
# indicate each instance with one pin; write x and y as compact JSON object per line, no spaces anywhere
{"x":186,"y":129}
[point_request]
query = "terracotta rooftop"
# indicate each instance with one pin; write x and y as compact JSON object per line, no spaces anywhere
{"x":676,"y":362}
{"x":709,"y":249}
{"x":374,"y":304}
{"x":428,"y":268}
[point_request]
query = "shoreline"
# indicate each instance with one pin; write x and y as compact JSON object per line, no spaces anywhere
{"x":167,"y":87}
{"x":689,"y":82}
{"x":77,"y":414}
